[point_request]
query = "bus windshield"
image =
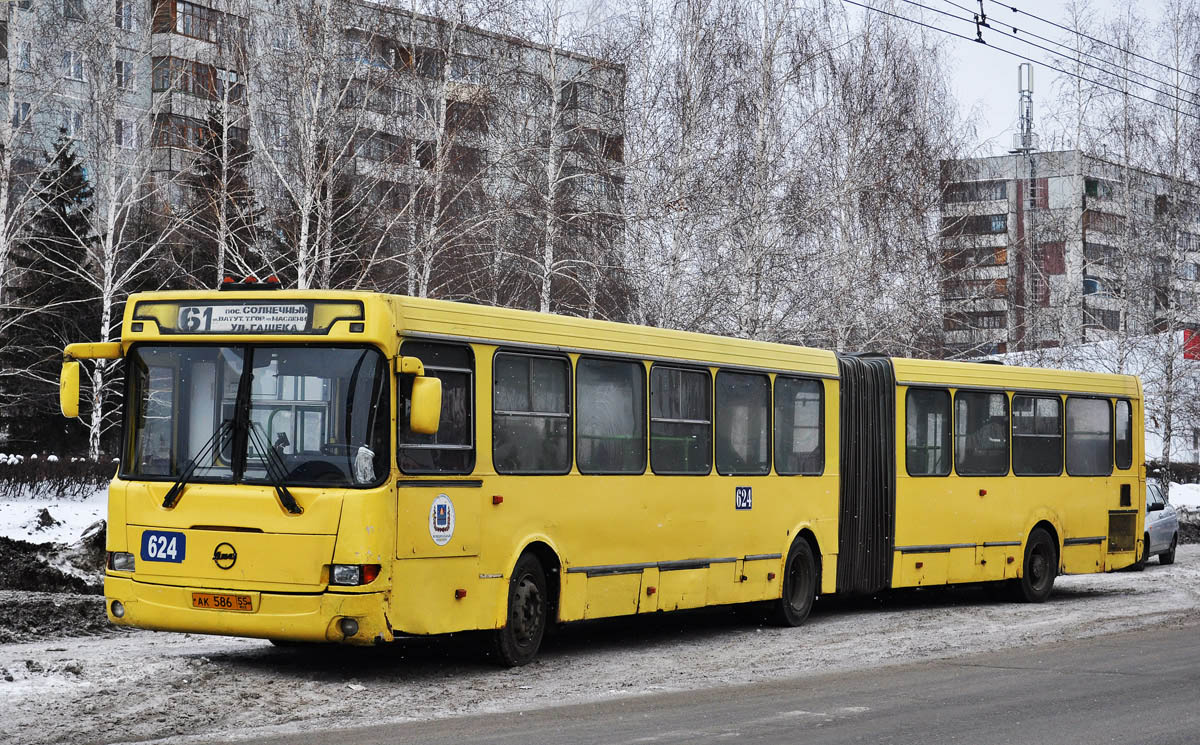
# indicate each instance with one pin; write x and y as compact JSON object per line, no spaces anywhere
{"x":309,"y":415}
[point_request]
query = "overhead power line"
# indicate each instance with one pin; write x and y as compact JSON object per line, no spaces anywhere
{"x":981,"y":23}
{"x":1079,"y":52}
{"x":1098,"y":41}
{"x":1020,"y":56}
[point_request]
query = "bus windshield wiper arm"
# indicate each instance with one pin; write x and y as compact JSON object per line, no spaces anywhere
{"x":212,"y":445}
{"x":276,"y":473}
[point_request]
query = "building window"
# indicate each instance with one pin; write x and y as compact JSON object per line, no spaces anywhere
{"x":123,"y":74}
{"x":124,"y":15}
{"x":975,"y":191}
{"x":229,"y":80}
{"x":73,"y":10}
{"x":283,"y":39}
{"x":24,"y":56}
{"x":125,"y":133}
{"x":277,"y":135}
{"x":1099,"y":188}
{"x":204,"y":23}
{"x":974,"y":225}
{"x":20,"y":117}
{"x":72,"y":64}
{"x":465,"y":69}
{"x":72,"y":123}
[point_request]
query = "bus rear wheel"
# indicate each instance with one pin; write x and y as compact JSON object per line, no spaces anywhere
{"x":517,"y":643}
{"x":799,"y":586}
{"x":1039,"y":570}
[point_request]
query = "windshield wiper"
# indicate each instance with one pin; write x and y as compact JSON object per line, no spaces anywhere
{"x":276,"y":471}
{"x":212,"y":445}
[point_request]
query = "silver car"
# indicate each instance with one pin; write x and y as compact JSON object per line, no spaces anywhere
{"x":1162,"y":525}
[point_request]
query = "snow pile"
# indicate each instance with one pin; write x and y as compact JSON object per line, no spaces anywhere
{"x":1186,"y":500}
{"x":51,"y":520}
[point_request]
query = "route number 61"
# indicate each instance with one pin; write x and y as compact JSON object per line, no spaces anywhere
{"x":192,"y":318}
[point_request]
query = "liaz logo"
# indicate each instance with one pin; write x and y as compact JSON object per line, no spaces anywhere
{"x":224,"y":555}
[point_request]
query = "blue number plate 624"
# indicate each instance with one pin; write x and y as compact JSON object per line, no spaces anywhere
{"x":163,"y":545}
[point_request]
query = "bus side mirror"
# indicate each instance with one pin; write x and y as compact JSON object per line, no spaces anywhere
{"x":68,"y":389}
{"x":426,"y":405}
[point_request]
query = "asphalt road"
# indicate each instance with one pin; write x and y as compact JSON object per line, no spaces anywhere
{"x":1139,"y":687}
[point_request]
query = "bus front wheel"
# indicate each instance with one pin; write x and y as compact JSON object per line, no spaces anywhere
{"x":518,"y":641}
{"x":1040,"y":568}
{"x":799,"y":586}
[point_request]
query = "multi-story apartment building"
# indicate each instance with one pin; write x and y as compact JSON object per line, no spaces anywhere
{"x":1045,"y":249}
{"x":454,"y":142}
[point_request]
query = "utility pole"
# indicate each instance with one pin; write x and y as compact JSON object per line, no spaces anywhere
{"x":1025,"y":143}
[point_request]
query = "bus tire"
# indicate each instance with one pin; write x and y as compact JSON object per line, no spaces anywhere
{"x":518,"y":641}
{"x":1039,"y":569}
{"x":1168,"y":556}
{"x":1144,"y":557}
{"x":799,"y":586}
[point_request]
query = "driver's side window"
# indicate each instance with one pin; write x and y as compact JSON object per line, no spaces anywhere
{"x":452,"y":449}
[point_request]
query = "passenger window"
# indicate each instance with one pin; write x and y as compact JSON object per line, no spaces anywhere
{"x":1037,"y":436}
{"x":531,"y":421}
{"x":1089,"y":437}
{"x":927,"y":432}
{"x":680,"y":421}
{"x":610,"y":401}
{"x":743,"y":424}
{"x":1124,"y":435}
{"x":452,"y":449}
{"x":799,"y":427}
{"x":981,"y":433}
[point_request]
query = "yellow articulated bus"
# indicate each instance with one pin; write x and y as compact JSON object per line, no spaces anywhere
{"x":352,"y":467}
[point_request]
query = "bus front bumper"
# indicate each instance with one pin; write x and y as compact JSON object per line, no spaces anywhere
{"x":313,"y":617}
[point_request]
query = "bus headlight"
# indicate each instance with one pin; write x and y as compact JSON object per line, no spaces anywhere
{"x":353,"y":574}
{"x":119,"y":561}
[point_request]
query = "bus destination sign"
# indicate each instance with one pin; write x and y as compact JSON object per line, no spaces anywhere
{"x":244,"y":318}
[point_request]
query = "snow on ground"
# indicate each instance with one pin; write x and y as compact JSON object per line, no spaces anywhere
{"x":177,"y":688}
{"x":19,"y":517}
{"x":1186,"y":496}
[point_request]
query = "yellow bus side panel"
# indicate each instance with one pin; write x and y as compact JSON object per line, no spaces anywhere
{"x":612,"y":595}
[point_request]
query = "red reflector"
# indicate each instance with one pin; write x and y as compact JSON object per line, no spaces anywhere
{"x":251,"y":279}
{"x":227,"y":281}
{"x":983,"y":492}
{"x":370,"y":572}
{"x":272,"y":280}
{"x":651,"y":590}
{"x":920,"y":564}
{"x":497,"y":499}
{"x":459,"y":594}
{"x":770,"y":576}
